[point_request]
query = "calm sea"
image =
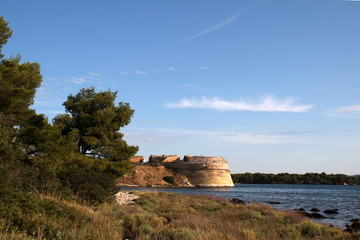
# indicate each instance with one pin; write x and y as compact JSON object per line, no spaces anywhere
{"x":323,"y":197}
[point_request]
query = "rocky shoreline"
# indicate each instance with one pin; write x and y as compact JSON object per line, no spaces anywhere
{"x":352,"y":226}
{"x":127,"y":198}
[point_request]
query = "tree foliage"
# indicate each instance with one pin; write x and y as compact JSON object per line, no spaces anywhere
{"x":79,"y":155}
{"x":18,"y":84}
{"x":5,"y":33}
{"x":98,"y":122}
{"x":287,"y":178}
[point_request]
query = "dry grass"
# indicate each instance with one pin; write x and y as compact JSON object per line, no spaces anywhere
{"x":169,"y":216}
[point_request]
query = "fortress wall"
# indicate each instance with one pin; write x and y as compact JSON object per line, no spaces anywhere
{"x":203,"y":159}
{"x":172,"y":158}
{"x":182,"y":166}
{"x":163,"y":158}
{"x":137,"y":159}
{"x":209,"y":178}
{"x":204,"y":171}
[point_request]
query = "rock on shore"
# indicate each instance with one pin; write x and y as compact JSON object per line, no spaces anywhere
{"x":125,"y":198}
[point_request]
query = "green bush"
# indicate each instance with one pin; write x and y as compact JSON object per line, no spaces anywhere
{"x":89,"y":185}
{"x":169,"y":179}
{"x":141,"y":226}
{"x":178,"y":234}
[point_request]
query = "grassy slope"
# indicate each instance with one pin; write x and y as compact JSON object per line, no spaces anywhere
{"x":158,"y":216}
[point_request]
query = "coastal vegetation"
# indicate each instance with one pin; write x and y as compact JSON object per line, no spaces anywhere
{"x":78,"y":155}
{"x":287,"y":178}
{"x":155,"y":216}
{"x":58,"y":179}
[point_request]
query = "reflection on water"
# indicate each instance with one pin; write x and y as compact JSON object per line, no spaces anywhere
{"x":323,"y":197}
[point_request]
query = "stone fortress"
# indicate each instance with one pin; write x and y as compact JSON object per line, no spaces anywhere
{"x":200,"y":170}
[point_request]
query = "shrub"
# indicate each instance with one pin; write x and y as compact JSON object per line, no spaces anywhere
{"x":178,"y":234}
{"x":169,"y":179}
{"x":143,"y":226}
{"x":309,"y":229}
{"x":89,"y":185}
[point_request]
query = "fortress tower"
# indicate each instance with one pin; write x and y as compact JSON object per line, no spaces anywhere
{"x":203,"y":171}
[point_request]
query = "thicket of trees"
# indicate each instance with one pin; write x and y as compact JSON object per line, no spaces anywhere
{"x":79,"y":154}
{"x":287,"y":178}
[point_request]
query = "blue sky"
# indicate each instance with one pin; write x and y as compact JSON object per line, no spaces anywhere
{"x":270,"y":85}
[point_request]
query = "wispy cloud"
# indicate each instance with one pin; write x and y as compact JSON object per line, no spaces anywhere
{"x":355,"y":108}
{"x":217,"y":26}
{"x":78,"y":80}
{"x":260,"y":139}
{"x":94,"y":74}
{"x":289,"y":133}
{"x":345,"y":112}
{"x":50,"y":79}
{"x":139,"y":72}
{"x":170,"y":136}
{"x":125,"y":73}
{"x":152,"y":71}
{"x":223,"y":23}
{"x":203,"y":67}
{"x":351,"y":0}
{"x":266,"y":104}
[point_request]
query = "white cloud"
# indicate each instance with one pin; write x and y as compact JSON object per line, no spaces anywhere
{"x":139,"y":72}
{"x":170,"y":136}
{"x":172,"y":69}
{"x":260,"y":139}
{"x":266,"y":104}
{"x":125,"y":73}
{"x":156,"y":71}
{"x":94,"y":74}
{"x":223,"y":23}
{"x":78,"y":80}
{"x":345,"y":112}
{"x":217,"y":26}
{"x":355,"y":108}
{"x":203,"y":68}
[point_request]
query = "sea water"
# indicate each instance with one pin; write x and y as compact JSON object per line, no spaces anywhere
{"x":323,"y":197}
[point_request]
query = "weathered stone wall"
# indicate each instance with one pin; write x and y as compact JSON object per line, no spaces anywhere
{"x":201,"y":171}
{"x":137,"y":159}
{"x":163,"y":158}
{"x":203,"y":159}
{"x":204,"y":171}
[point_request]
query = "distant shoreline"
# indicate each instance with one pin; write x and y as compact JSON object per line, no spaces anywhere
{"x":287,"y":178}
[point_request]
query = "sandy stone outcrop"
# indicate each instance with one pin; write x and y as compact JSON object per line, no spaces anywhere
{"x":125,"y":198}
{"x":137,"y":159}
{"x":152,"y":176}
